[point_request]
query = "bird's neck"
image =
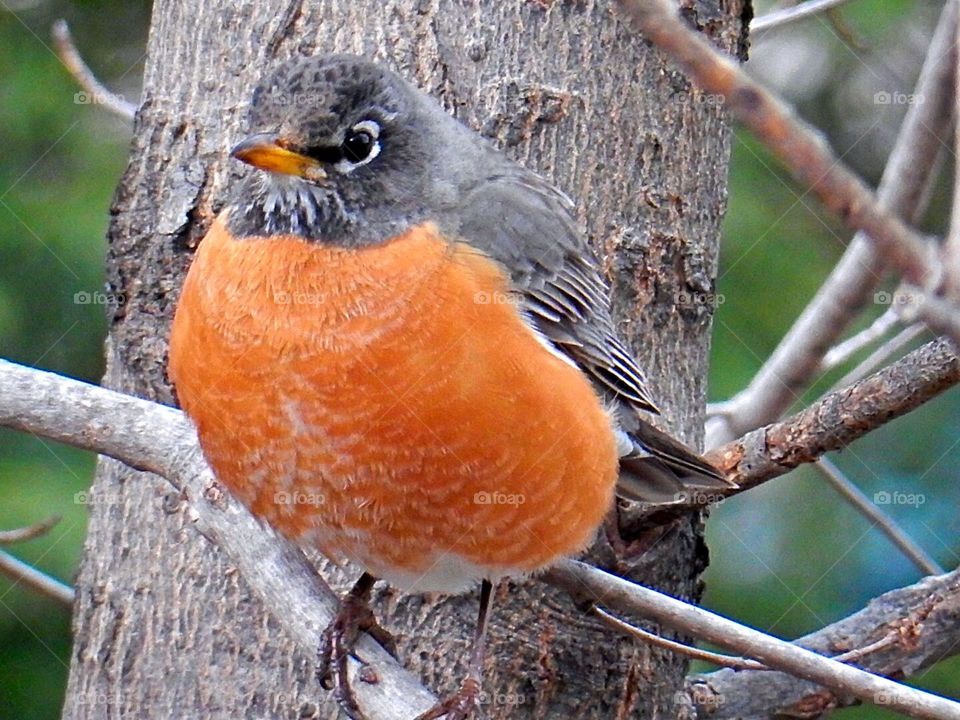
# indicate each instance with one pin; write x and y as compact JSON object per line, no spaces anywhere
{"x":284,"y":205}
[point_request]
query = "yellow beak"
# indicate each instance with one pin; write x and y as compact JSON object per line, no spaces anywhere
{"x":263,"y":152}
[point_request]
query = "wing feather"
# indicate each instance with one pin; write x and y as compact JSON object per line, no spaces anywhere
{"x":554,"y":270}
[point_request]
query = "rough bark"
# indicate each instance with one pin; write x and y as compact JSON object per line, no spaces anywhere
{"x":163,"y":626}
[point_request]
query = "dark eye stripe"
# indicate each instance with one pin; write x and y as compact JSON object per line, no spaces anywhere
{"x":331,"y":154}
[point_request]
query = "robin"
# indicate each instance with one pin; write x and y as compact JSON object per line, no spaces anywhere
{"x":397,"y":348}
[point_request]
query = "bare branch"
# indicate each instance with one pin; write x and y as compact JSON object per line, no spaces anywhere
{"x":159,"y":439}
{"x":939,"y":314}
{"x":842,"y":352}
{"x":798,"y":145}
{"x":839,"y":418}
{"x":951,"y":244}
{"x":898,"y":634}
{"x":736,"y":663}
{"x":8,"y":537}
{"x":22,"y":574}
{"x":831,"y":423}
{"x":73,"y":62}
{"x":853,"y":495}
{"x":590,"y":583}
{"x":797,"y":12}
{"x":903,"y":189}
{"x":883,"y":353}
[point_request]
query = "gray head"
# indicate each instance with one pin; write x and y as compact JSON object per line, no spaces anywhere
{"x":349,"y":153}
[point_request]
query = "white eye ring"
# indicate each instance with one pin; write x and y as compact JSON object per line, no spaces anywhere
{"x":372,"y":129}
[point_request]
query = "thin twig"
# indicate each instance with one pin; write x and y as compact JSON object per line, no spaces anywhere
{"x":921,"y":617}
{"x":842,"y":352}
{"x":903,"y":188}
{"x":8,"y":537}
{"x":786,"y":16}
{"x":589,"y":583}
{"x":938,"y":313}
{"x":951,"y":243}
{"x":883,"y":353}
{"x":96,"y":92}
{"x":886,"y":524}
{"x":22,"y":574}
{"x":860,"y":653}
{"x":728,"y":661}
{"x":718,"y":659}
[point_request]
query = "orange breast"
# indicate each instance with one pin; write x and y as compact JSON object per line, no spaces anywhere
{"x":389,"y":404}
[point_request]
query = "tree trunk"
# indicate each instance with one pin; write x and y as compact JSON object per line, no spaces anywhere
{"x":163,"y":627}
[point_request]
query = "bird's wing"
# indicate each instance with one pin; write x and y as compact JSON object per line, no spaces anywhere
{"x":535,"y":236}
{"x":551,"y":265}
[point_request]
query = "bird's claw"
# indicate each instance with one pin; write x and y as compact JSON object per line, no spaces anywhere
{"x":336,"y":646}
{"x":462,"y":705}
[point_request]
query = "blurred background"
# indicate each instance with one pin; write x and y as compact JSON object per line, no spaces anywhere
{"x":788,"y":558}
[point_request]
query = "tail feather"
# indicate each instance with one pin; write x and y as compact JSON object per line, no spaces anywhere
{"x":661,"y":470}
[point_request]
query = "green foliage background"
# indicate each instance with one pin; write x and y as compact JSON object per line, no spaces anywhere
{"x":787,"y":558}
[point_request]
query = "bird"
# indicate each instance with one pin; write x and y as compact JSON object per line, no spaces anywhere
{"x":397,"y":348}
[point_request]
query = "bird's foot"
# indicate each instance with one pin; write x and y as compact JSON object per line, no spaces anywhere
{"x":338,"y":641}
{"x":462,"y":705}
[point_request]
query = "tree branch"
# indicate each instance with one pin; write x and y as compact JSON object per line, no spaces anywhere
{"x":850,"y":284}
{"x":605,"y":589}
{"x":20,"y":572}
{"x":797,"y":12}
{"x":904,"y":631}
{"x":839,"y":418}
{"x":159,"y":439}
{"x":831,"y":423}
{"x":879,"y":519}
{"x":8,"y":537}
{"x":798,"y":145}
{"x":96,"y":92}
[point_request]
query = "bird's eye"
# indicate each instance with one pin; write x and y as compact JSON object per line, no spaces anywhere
{"x":360,"y":146}
{"x":357,"y":145}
